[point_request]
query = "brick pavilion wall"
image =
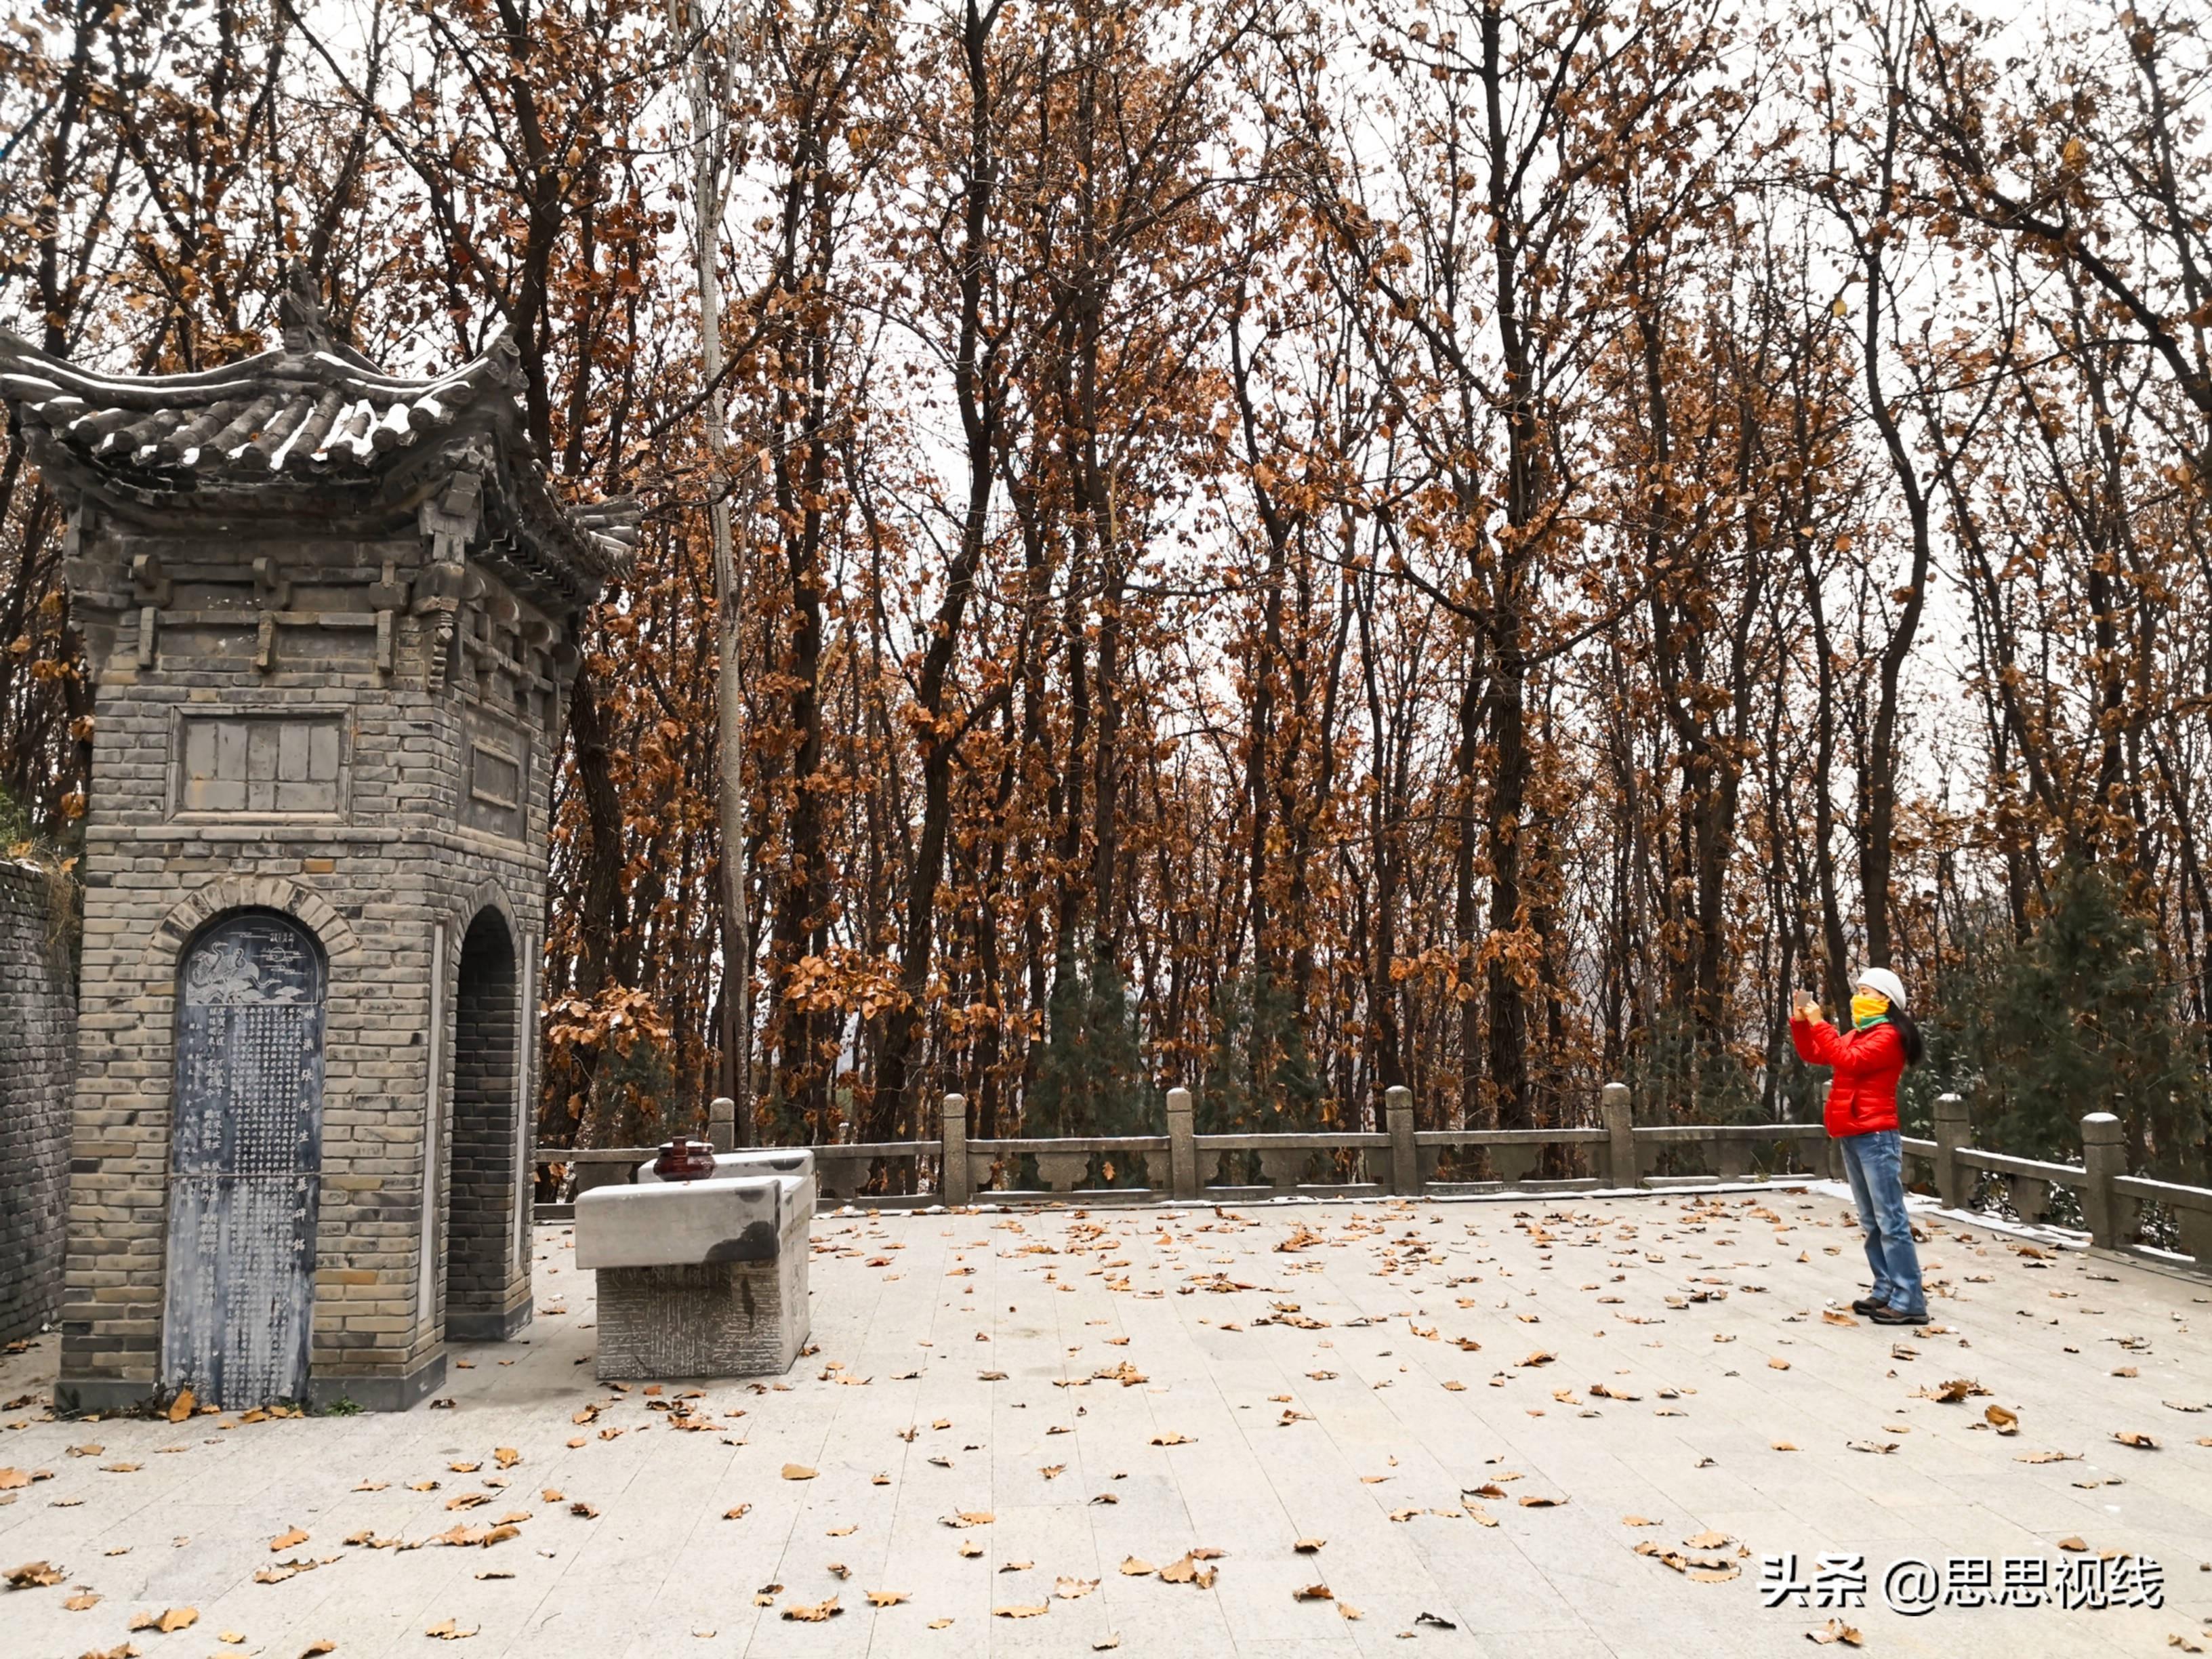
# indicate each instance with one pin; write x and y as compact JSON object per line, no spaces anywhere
{"x":38,"y":1055}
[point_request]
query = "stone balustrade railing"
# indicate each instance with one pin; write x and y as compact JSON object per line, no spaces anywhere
{"x":2111,"y":1200}
{"x":1397,"y":1159}
{"x":1400,"y":1160}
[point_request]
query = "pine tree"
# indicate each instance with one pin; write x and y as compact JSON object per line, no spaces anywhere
{"x":2081,"y":1019}
{"x":1090,"y":1078}
{"x":1258,"y":1077}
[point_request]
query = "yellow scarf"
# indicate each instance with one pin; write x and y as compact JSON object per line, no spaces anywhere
{"x":1867,"y":1007}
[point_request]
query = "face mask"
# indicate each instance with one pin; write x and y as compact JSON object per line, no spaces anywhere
{"x":1867,"y":1008}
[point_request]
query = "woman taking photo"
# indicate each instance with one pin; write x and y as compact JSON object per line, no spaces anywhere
{"x":1862,"y":1117}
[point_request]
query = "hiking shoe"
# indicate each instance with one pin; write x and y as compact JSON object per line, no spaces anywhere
{"x":1898,"y":1317}
{"x":1867,"y":1306}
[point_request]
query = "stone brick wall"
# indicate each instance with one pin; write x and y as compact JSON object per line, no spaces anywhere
{"x":38,"y":1048}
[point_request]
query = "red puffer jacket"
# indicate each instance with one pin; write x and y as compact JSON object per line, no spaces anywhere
{"x":1867,"y":1065}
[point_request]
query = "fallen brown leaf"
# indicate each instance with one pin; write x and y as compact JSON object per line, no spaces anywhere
{"x":34,"y":1575}
{"x":814,"y":1614}
{"x":1019,"y":1611}
{"x":446,"y":1631}
{"x":170,"y":1619}
{"x":1836,"y":1630}
{"x":1186,"y":1570}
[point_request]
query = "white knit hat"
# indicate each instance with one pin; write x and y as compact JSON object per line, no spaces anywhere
{"x":1885,"y":983}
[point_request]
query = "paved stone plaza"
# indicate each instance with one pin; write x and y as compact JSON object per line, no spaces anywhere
{"x":1007,"y":1418}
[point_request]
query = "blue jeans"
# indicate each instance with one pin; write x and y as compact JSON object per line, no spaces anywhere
{"x":1875,"y":1164}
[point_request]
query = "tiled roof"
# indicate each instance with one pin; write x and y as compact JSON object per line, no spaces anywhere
{"x":312,"y":412}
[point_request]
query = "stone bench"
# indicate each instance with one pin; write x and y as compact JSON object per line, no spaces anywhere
{"x":701,"y":1278}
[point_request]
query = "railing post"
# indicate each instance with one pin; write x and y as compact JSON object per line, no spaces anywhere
{"x":1182,"y":1146}
{"x":2104,"y":1158}
{"x":1618,"y":1115}
{"x":1836,"y":1170}
{"x":1405,"y":1152}
{"x":722,"y":1123}
{"x":1953,"y":1126}
{"x":952,"y":1177}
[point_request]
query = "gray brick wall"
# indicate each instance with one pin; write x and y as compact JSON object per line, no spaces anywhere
{"x":38,"y":1050}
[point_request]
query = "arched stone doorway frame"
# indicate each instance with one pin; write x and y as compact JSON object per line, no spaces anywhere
{"x":482,"y":1230}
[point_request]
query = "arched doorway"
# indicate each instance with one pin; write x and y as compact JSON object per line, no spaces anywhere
{"x":480,"y":1196}
{"x":244,"y":1162}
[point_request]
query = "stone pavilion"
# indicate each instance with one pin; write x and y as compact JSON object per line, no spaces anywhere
{"x":329,"y":615}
